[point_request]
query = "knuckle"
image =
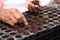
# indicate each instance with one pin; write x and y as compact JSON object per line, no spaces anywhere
{"x":18,"y":17}
{"x":15,"y":21}
{"x":15,"y":9}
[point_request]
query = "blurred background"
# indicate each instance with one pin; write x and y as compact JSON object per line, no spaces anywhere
{"x":19,"y":4}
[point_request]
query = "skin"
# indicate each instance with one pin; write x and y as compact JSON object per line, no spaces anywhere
{"x":12,"y":16}
{"x":31,"y":6}
{"x":1,"y":3}
{"x":58,"y":1}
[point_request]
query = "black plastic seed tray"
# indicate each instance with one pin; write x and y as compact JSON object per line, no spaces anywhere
{"x":51,"y":23}
{"x":50,"y":34}
{"x":42,"y":25}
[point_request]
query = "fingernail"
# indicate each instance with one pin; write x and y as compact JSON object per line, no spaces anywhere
{"x":26,"y":23}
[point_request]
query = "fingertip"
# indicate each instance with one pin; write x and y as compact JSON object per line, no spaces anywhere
{"x":26,"y":23}
{"x":12,"y":24}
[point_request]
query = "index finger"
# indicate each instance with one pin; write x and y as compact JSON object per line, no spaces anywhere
{"x":24,"y":19}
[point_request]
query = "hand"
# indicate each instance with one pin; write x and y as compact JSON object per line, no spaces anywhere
{"x":58,"y":1}
{"x":12,"y":16}
{"x":33,"y":5}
